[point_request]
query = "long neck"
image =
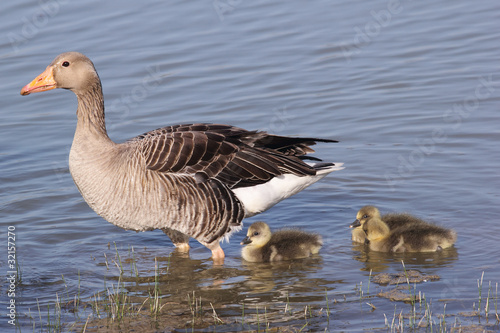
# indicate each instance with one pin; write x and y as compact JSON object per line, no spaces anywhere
{"x":90,"y":112}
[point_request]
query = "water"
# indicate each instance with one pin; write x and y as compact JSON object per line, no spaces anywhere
{"x":411,"y":89}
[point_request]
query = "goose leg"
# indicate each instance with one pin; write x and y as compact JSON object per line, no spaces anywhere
{"x":180,"y":240}
{"x":217,"y":252}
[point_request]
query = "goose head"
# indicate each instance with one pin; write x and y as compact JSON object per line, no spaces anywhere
{"x":70,"y":70}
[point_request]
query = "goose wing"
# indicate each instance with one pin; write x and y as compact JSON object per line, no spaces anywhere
{"x":234,"y":156}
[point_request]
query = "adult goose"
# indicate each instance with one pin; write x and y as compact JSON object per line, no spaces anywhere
{"x":194,"y":180}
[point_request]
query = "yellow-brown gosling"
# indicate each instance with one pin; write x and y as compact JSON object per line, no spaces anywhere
{"x":264,"y":246}
{"x":409,"y":237}
{"x":393,"y":220}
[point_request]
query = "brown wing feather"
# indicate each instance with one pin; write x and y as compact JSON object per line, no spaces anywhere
{"x":230,"y":154}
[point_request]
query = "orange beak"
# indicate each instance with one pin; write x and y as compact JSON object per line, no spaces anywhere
{"x":42,"y":82}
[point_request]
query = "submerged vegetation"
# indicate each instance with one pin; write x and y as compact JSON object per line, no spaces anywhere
{"x":134,"y":298}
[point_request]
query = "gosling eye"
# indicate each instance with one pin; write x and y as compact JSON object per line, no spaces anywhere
{"x":65,"y":64}
{"x":365,"y":216}
{"x":256,"y":233}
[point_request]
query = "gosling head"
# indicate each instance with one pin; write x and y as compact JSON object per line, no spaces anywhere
{"x":364,"y":214}
{"x":258,"y":235}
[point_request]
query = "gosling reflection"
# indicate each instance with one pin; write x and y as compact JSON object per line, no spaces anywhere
{"x":264,"y":277}
{"x":382,"y":261}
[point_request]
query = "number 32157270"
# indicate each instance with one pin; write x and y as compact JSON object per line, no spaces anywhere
{"x":11,"y":247}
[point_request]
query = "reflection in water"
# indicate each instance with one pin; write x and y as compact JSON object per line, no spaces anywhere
{"x":265,"y":277}
{"x":381,"y":261}
{"x":257,"y":285}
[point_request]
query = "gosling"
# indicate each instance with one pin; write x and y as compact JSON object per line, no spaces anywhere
{"x":264,"y":246}
{"x":409,"y":237}
{"x":392,"y":220}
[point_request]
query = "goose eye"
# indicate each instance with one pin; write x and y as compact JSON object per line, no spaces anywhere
{"x":65,"y":64}
{"x":365,"y":216}
{"x":256,"y":233}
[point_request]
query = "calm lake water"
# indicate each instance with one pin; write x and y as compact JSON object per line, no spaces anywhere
{"x":411,"y":90}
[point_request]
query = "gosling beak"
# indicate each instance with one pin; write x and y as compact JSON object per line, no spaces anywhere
{"x":355,"y":224}
{"x":42,"y":82}
{"x":246,"y":240}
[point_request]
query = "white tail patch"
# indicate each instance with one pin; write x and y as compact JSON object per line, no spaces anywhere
{"x":259,"y":198}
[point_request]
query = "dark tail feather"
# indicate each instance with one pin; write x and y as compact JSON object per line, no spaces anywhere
{"x":310,"y":158}
{"x":280,"y":142}
{"x":321,"y":166}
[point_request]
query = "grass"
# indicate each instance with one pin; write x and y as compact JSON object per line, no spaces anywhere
{"x":125,"y":301}
{"x":423,"y":317}
{"x":491,"y":300}
{"x":327,"y":305}
{"x":496,"y":302}
{"x":480,"y":288}
{"x":413,"y":316}
{"x":120,"y":267}
{"x":369,"y":280}
{"x":133,"y":263}
{"x":154,"y":297}
{"x":416,"y":319}
{"x":19,"y":271}
{"x":195,"y":306}
{"x":359,"y":287}
{"x":53,"y":314}
{"x":118,"y":305}
{"x":217,"y":320}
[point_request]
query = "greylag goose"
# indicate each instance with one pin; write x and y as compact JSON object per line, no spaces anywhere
{"x":411,"y":235}
{"x":392,"y":220}
{"x":193,"y":180}
{"x":288,"y":244}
